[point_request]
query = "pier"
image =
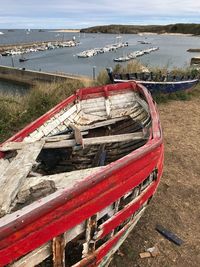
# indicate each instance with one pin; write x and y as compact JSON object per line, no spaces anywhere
{"x":96,"y":51}
{"x":18,"y":49}
{"x":135,"y":54}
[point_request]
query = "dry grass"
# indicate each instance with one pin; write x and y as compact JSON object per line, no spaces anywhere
{"x":17,"y":111}
{"x":176,"y":205}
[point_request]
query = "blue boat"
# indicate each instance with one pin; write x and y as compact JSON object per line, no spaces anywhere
{"x":155,"y":83}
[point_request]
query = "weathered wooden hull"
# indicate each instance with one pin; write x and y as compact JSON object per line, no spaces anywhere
{"x":122,"y":190}
{"x":165,"y":87}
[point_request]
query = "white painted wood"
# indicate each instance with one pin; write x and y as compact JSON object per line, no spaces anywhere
{"x":86,"y":119}
{"x":102,"y":123}
{"x":108,"y":107}
{"x":50,"y":127}
{"x":143,"y":103}
{"x":35,"y":257}
{"x":16,"y":173}
{"x":68,"y":113}
{"x":3,"y":165}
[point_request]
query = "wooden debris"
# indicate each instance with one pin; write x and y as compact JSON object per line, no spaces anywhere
{"x":169,"y":235}
{"x":16,"y":173}
{"x":145,"y":255}
{"x":154,"y":251}
{"x":119,"y":253}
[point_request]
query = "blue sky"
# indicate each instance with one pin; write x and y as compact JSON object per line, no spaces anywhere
{"x":80,"y":14}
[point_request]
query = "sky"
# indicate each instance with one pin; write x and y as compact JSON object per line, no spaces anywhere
{"x":77,"y":14}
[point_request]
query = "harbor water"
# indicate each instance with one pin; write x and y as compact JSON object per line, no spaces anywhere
{"x":172,"y":50}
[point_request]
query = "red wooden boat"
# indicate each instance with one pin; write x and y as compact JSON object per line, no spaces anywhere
{"x":76,"y":181}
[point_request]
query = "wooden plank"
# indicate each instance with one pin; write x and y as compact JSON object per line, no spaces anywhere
{"x":102,"y":123}
{"x":67,"y":114}
{"x":34,"y":257}
{"x":98,"y":140}
{"x":16,"y":173}
{"x":169,"y":235}
{"x":108,"y":106}
{"x":87,"y":141}
{"x":19,"y":145}
{"x":3,"y":165}
{"x":58,"y":248}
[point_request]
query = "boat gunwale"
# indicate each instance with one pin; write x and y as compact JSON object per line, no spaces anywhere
{"x":152,"y":82}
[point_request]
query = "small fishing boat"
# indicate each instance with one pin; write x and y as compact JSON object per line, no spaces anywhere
{"x":23,"y":59}
{"x":75,"y":182}
{"x":155,"y":83}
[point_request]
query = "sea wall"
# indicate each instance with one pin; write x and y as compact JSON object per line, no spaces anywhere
{"x":31,"y":77}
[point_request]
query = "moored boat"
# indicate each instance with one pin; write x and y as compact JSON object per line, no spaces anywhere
{"x":77,"y":180}
{"x":155,"y":83}
{"x":23,"y":59}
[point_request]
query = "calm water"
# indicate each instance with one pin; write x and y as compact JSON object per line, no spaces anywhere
{"x":13,"y":88}
{"x":172,"y":52}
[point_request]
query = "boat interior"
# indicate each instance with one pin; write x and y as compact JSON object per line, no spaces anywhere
{"x":92,"y":133}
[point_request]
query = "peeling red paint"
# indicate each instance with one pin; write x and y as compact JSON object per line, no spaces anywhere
{"x":36,"y":224}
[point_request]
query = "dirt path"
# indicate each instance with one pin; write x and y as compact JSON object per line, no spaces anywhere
{"x":177,"y":203}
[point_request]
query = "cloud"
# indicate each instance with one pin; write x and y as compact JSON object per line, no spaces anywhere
{"x":78,"y":13}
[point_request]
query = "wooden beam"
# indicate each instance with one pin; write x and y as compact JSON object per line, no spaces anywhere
{"x":58,"y":248}
{"x":16,"y":173}
{"x":87,"y":141}
{"x":98,"y":140}
{"x":77,"y":134}
{"x":19,"y":145}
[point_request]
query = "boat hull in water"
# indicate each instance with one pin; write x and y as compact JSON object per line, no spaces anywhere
{"x":107,"y":150}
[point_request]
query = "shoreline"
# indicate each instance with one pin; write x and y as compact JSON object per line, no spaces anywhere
{"x":66,"y":30}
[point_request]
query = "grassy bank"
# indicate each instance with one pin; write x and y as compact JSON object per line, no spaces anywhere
{"x":17,"y":111}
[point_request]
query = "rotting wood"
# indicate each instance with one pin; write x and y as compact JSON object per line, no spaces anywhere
{"x":16,"y":173}
{"x":86,"y":141}
{"x":77,"y":135}
{"x":3,"y":165}
{"x":61,"y":180}
{"x":89,"y":245}
{"x":58,"y":248}
{"x":19,"y":145}
{"x":98,"y":140}
{"x":102,"y":123}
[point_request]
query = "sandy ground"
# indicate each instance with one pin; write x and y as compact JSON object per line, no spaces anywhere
{"x":176,"y":204}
